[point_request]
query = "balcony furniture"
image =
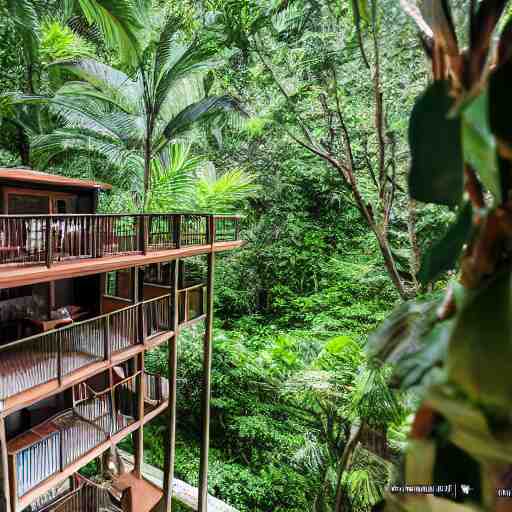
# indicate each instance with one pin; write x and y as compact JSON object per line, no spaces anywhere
{"x":49,"y":325}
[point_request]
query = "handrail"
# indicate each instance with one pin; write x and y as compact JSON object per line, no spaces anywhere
{"x":75,"y":324}
{"x":50,"y":238}
{"x":41,"y":358}
{"x":72,"y":215}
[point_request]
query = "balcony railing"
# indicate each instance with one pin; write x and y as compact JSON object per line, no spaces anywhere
{"x":42,"y":358}
{"x":88,"y":497}
{"x":156,"y":389}
{"x":48,"y":239}
{"x":61,"y":441}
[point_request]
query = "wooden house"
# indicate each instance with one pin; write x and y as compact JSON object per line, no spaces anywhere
{"x":83,"y":298}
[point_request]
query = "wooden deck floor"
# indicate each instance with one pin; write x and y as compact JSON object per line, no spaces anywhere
{"x":11,"y":276}
{"x":145,"y":495}
{"x":184,"y":493}
{"x":21,"y":370}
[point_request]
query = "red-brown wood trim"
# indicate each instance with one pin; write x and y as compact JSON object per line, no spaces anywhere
{"x":54,"y":480}
{"x":11,"y":277}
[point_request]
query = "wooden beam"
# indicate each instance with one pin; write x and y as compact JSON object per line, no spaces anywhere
{"x":138,"y":435}
{"x":173,"y":369}
{"x":12,"y":276}
{"x":206,"y":391}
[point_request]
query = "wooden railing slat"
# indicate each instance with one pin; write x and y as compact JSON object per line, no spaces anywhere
{"x":36,"y":239}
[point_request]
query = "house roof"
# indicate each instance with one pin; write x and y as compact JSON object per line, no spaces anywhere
{"x":43,"y":178}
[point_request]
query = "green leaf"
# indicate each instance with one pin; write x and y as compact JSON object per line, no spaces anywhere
{"x":338,"y":344}
{"x":444,"y":253}
{"x":436,"y":174}
{"x":479,"y":143}
{"x":415,"y":366}
{"x":469,"y":428}
{"x":480,"y":349}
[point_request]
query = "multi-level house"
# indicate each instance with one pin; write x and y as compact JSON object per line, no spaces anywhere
{"x":83,"y":298}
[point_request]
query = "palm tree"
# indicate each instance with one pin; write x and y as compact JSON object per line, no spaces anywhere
{"x":188,"y":183}
{"x":131,"y":120}
{"x":119,"y":21}
{"x":339,"y":399}
{"x":191,"y":184}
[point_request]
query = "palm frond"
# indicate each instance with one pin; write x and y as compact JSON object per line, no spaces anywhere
{"x":26,"y":20}
{"x":181,"y":62}
{"x":203,"y":110}
{"x":173,"y":184}
{"x":225,"y":193}
{"x":119,"y":22}
{"x":127,"y":163}
{"x":111,"y":82}
{"x":373,"y":400}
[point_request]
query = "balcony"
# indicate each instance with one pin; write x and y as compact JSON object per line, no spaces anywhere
{"x":50,"y":239}
{"x":52,"y":451}
{"x":76,"y":495}
{"x":42,"y":248}
{"x":60,"y":357}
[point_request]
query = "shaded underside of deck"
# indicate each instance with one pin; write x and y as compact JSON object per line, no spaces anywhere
{"x":12,"y":276}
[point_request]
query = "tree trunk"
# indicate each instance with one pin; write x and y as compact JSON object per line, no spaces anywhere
{"x":389,"y":263}
{"x":344,"y":464}
{"x":147,"y":167}
{"x":414,"y":260}
{"x":23,"y":146}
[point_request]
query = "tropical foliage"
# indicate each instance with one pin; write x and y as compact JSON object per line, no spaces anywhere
{"x":366,"y":188}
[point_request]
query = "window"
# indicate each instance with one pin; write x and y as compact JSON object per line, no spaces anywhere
{"x":119,"y":284}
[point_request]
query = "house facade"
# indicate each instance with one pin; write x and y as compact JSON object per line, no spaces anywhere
{"x":84,"y":300}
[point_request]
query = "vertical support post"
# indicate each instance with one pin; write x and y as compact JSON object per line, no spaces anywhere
{"x":206,"y":391}
{"x":94,"y":236}
{"x":59,"y":358}
{"x":106,"y":338}
{"x":138,"y":435}
{"x":48,"y":242}
{"x":143,"y":233}
{"x":177,"y":231}
{"x":173,"y":368}
{"x":138,"y":298}
{"x":210,"y":229}
{"x":4,"y":476}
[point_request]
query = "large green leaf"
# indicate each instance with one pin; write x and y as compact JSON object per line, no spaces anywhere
{"x":436,"y":174}
{"x":204,"y":109}
{"x":120,"y":22}
{"x":443,"y":255}
{"x":479,"y":143}
{"x":26,"y":21}
{"x":480,"y":349}
{"x":469,"y":428}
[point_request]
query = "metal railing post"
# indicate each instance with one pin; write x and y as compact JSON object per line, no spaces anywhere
{"x":170,"y":445}
{"x":206,"y":389}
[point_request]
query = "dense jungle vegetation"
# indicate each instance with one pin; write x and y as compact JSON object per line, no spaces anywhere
{"x":295,"y":114}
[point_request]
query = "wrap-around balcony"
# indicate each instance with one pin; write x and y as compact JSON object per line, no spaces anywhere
{"x":58,"y":356}
{"x":95,"y":419}
{"x":50,"y":239}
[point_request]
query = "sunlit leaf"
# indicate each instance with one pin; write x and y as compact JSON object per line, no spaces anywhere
{"x":479,"y":143}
